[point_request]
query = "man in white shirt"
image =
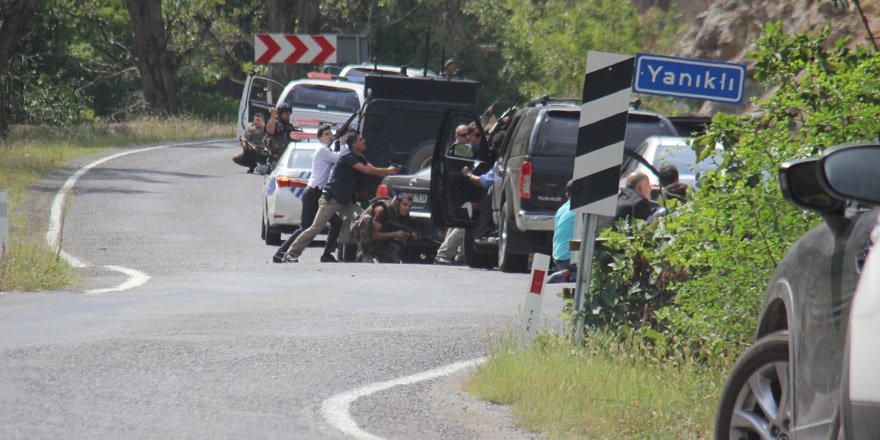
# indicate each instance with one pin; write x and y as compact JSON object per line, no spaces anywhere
{"x":323,"y":162}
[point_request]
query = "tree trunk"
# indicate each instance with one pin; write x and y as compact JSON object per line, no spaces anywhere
{"x":154,"y":61}
{"x":292,"y":17}
{"x":14,"y":23}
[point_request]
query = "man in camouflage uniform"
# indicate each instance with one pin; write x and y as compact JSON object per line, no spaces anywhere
{"x":279,"y":131}
{"x":377,"y":231}
{"x":251,"y":142}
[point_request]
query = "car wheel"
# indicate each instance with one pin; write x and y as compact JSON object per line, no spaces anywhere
{"x":475,"y":258}
{"x":263,"y":228}
{"x":271,"y":237}
{"x":756,"y":399}
{"x":507,"y":261}
{"x":421,"y":157}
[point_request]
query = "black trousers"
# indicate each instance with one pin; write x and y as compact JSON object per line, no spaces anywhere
{"x":310,"y":199}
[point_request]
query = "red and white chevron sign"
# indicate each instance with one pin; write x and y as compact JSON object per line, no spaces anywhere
{"x":294,"y":49}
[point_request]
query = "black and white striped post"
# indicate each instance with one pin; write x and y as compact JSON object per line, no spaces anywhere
{"x":601,"y":131}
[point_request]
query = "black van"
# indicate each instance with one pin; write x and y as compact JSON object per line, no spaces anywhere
{"x":399,"y":119}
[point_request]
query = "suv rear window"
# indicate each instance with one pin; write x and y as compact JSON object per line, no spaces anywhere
{"x":323,"y":98}
{"x":557,"y":135}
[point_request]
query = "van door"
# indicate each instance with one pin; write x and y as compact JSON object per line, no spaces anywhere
{"x":455,"y":200}
{"x":257,"y":96}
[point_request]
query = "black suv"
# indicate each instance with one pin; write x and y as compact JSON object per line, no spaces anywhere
{"x":532,"y":166}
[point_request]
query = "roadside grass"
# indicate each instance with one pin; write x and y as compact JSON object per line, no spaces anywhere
{"x":603,"y":390}
{"x":31,"y":152}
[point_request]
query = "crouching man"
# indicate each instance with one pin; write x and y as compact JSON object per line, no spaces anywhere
{"x":378,"y":231}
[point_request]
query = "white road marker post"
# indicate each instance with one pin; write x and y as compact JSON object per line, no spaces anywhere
{"x":602,"y":127}
{"x":534,"y":299}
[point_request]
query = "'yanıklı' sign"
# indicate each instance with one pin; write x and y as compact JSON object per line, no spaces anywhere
{"x":688,"y":78}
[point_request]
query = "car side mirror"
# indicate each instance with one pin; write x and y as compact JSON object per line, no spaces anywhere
{"x":851,"y":172}
{"x":799,"y":182}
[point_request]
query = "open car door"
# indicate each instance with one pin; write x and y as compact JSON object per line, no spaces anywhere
{"x":257,"y":96}
{"x":455,"y":200}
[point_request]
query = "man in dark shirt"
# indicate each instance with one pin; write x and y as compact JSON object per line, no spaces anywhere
{"x":339,"y":192}
{"x":634,"y":200}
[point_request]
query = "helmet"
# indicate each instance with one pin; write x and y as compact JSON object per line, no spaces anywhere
{"x":448,"y":62}
{"x":284,"y":108}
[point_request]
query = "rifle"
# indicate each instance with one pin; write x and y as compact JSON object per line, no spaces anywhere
{"x":420,"y":234}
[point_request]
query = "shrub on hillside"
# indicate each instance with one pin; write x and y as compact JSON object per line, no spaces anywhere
{"x":702,"y":290}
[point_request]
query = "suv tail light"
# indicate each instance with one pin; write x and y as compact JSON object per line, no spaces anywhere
{"x":382,"y":190}
{"x":525,"y":180}
{"x":288,"y":182}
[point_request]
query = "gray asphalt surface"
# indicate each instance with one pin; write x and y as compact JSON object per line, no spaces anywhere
{"x":222,"y":343}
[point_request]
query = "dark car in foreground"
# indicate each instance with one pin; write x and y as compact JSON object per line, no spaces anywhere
{"x":809,"y":375}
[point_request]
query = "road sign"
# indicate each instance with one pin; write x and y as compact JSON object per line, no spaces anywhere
{"x":689,"y":78}
{"x":601,"y":131}
{"x":294,"y":49}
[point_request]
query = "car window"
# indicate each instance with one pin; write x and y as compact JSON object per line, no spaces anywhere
{"x":557,"y":135}
{"x":323,"y":98}
{"x":629,"y":164}
{"x":301,"y":158}
{"x":684,"y":158}
{"x":520,"y":143}
{"x":355,"y":73}
{"x":464,"y":141}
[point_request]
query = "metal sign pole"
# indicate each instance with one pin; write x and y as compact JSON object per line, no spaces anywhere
{"x":584,"y":275}
{"x":601,"y":136}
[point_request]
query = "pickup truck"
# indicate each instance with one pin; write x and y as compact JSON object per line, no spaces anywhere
{"x":532,"y":166}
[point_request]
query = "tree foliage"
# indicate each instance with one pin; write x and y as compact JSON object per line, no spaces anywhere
{"x":706,"y":284}
{"x":545,"y":43}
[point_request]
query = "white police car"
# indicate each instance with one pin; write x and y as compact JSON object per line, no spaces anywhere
{"x":283,"y":189}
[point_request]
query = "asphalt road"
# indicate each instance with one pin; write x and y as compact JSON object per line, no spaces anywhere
{"x":219,"y":342}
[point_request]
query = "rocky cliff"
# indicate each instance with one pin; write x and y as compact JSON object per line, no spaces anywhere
{"x":725,"y":30}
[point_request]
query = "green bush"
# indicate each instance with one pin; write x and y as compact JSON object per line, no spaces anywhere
{"x":701,"y":290}
{"x":206,"y":105}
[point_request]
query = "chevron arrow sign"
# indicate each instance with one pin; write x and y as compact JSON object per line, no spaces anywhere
{"x":294,"y":49}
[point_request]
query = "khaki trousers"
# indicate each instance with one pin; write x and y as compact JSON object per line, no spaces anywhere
{"x":327,"y":207}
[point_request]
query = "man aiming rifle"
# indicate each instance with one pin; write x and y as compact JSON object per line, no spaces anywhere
{"x":382,"y":230}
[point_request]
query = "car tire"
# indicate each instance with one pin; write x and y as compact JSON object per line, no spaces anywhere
{"x":263,"y":227}
{"x":271,"y":237}
{"x":475,"y":258}
{"x":756,"y":401}
{"x":507,"y":261}
{"x":421,"y":157}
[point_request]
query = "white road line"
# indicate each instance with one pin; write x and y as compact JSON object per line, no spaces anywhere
{"x":335,"y":409}
{"x":53,"y":234}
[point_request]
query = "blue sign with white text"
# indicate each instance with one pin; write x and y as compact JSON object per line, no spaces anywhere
{"x":688,"y":78}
